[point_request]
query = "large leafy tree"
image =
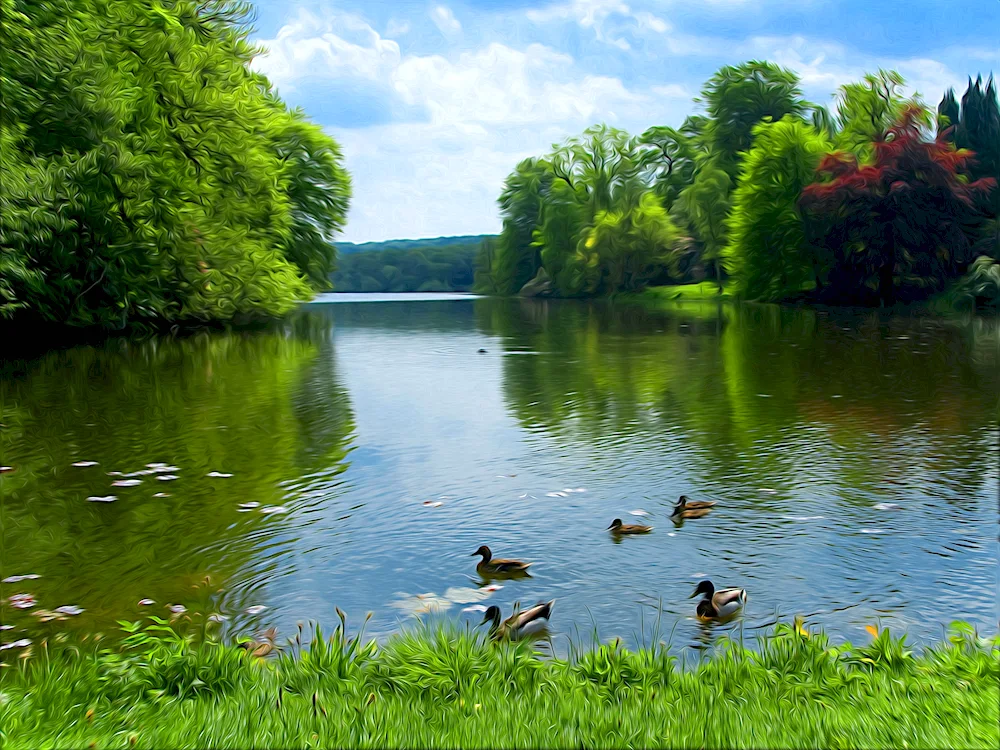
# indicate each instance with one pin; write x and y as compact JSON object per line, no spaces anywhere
{"x":704,"y":206}
{"x":738,"y":97}
{"x":896,"y":226}
{"x":868,"y":109}
{"x":769,"y":256}
{"x":158,"y":177}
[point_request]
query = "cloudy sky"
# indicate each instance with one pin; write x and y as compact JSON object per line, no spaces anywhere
{"x":435,"y":102}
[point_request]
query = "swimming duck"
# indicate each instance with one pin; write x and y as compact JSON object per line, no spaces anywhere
{"x":617,"y":527}
{"x":519,"y":624}
{"x":688,"y":509}
{"x":262,"y":647}
{"x":489,"y":565}
{"x":718,"y":604}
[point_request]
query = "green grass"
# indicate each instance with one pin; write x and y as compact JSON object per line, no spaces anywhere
{"x":706,"y":290}
{"x":440,"y":689}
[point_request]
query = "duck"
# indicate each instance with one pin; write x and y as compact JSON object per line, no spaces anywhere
{"x":617,"y":527}
{"x":263,"y":647}
{"x":519,"y":624}
{"x":687,"y":509}
{"x":716,"y":605}
{"x":490,"y":565}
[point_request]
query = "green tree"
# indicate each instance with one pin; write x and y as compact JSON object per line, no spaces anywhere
{"x":738,"y":97}
{"x":867,"y":110}
{"x":705,"y":206}
{"x":158,"y":176}
{"x":768,"y":255}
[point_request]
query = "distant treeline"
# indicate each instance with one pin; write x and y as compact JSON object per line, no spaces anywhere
{"x":444,"y":264}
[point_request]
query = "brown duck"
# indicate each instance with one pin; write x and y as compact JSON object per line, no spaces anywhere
{"x":617,"y":527}
{"x":489,"y":564}
{"x":687,"y":509}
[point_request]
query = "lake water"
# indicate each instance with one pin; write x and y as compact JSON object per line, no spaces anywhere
{"x":854,"y":458}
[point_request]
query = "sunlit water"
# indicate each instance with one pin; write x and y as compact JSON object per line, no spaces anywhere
{"x":854,"y":458}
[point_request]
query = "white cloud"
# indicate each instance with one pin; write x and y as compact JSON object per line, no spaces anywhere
{"x":340,"y":46}
{"x":445,"y":20}
{"x":597,"y":15}
{"x":397,"y":28}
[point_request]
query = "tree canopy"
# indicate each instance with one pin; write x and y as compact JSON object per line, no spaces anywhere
{"x":149,"y":174}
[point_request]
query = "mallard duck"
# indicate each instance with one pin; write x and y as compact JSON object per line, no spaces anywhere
{"x":519,"y":624}
{"x":718,"y":604}
{"x":617,"y":527}
{"x":489,"y":565}
{"x":263,"y":647}
{"x":688,"y":509}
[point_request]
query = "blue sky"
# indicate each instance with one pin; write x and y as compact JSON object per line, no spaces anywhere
{"x":434,"y":103}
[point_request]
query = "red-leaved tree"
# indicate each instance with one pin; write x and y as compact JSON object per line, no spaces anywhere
{"x":898,"y":228}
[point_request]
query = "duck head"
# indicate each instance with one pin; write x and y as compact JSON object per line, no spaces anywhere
{"x":616,"y":524}
{"x":705,"y":588}
{"x":483,"y":552}
{"x":492,"y":616}
{"x":681,"y":504}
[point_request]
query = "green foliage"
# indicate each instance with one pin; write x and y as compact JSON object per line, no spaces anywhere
{"x":947,"y":115}
{"x":869,"y":108}
{"x":980,"y":287}
{"x":768,"y":254}
{"x":705,"y":206}
{"x":436,"y":689}
{"x":429,"y":269}
{"x":738,"y":97}
{"x":156,"y":177}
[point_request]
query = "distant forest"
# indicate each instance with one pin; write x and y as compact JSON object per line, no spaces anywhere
{"x":440,"y":264}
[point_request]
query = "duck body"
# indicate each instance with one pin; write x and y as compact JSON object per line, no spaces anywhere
{"x":489,"y":564}
{"x":519,"y":624}
{"x":617,"y":527}
{"x":718,"y":604}
{"x":691,"y":509}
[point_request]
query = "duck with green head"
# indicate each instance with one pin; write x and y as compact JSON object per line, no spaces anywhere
{"x":717,"y":605}
{"x":520,"y":624}
{"x":492,"y":566}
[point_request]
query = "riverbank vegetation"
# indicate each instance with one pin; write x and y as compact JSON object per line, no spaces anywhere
{"x":440,"y":689}
{"x":447,"y":267}
{"x":149,"y":174}
{"x":768,"y":196}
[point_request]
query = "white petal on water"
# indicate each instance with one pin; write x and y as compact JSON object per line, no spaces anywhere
{"x":6,"y":627}
{"x":146,"y":602}
{"x":218,"y":474}
{"x":102,"y":498}
{"x":22,"y":643}
{"x":162,"y":494}
{"x":768,"y":490}
{"x":84,"y":464}
{"x":164,"y":469}
{"x":167,"y":477}
{"x":255,"y":609}
{"x":250,"y":505}
{"x":639,"y":512}
{"x":492,"y":587}
{"x":581,"y":489}
{"x":555,"y":494}
{"x":114,"y":473}
{"x":872,"y":531}
{"x":273,"y":509}
{"x":177,"y":609}
{"x":5,"y":469}
{"x":435,"y":504}
{"x":155,"y":466}
{"x":670,"y":533}
{"x":127,"y":483}
{"x":763,"y":395}
{"x":803,"y":518}
{"x":69,"y":609}
{"x":25,"y":577}
{"x":22,"y":601}
{"x":886,"y":506}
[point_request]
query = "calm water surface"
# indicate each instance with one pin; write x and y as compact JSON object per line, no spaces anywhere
{"x":854,"y":458}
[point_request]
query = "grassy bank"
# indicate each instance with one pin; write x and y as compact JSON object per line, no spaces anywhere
{"x":705,"y":290}
{"x":451,"y":690}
